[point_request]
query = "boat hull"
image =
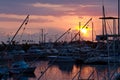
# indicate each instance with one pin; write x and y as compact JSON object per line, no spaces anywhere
{"x":22,"y":70}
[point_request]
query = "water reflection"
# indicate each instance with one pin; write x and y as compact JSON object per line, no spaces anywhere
{"x":68,"y":71}
{"x":65,"y":67}
{"x":22,"y":76}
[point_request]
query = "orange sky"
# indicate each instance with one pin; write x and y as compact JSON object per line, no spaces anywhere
{"x":54,"y":17}
{"x":60,"y":23}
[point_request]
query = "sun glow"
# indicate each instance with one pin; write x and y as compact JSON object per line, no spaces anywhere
{"x":84,"y":30}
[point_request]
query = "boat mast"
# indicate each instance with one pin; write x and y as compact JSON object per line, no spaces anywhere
{"x":79,"y":31}
{"x":62,"y":35}
{"x":92,"y":31}
{"x":81,"y":28}
{"x":104,"y":31}
{"x":118,"y":17}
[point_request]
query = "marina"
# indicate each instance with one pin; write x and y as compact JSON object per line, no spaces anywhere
{"x":67,"y":71}
{"x":40,"y":55}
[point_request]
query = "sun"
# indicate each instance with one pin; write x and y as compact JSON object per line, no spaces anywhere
{"x":84,"y":30}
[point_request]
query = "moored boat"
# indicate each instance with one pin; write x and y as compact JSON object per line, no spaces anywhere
{"x":21,"y":67}
{"x":61,"y":58}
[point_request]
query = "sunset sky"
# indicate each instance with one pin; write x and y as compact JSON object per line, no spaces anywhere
{"x":54,"y":16}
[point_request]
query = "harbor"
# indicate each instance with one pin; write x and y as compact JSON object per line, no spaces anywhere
{"x":90,"y":51}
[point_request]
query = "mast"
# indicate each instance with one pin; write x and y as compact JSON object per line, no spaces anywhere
{"x":24,"y":22}
{"x":42,"y":35}
{"x":104,"y":22}
{"x":118,"y":17}
{"x":62,"y":35}
{"x":79,"y":30}
{"x":92,"y":31}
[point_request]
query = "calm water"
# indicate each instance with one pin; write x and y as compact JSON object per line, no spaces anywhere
{"x":67,"y":71}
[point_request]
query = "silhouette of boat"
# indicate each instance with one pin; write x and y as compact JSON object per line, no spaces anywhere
{"x":21,"y":67}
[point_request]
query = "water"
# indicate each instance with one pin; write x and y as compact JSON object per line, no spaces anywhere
{"x":68,"y":71}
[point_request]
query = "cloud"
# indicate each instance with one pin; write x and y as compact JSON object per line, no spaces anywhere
{"x":45,"y":5}
{"x":55,"y":8}
{"x":61,"y":9}
{"x":10,"y":17}
{"x":19,"y":18}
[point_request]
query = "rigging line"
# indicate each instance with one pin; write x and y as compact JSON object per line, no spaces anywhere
{"x":109,"y":26}
{"x":76,"y":75}
{"x":22,"y":34}
{"x":82,"y":28}
{"x":94,"y":32}
{"x":114,"y":71}
{"x":90,"y":75}
{"x":48,"y":67}
{"x":29,"y":65}
{"x":79,"y":72}
{"x":24,"y":22}
{"x":102,"y":2}
{"x":62,"y":35}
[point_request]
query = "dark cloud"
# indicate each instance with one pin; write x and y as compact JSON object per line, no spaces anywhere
{"x":22,"y":7}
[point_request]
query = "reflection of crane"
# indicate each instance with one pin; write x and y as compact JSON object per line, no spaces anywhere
{"x":24,"y":22}
{"x":79,"y":30}
{"x":63,"y":34}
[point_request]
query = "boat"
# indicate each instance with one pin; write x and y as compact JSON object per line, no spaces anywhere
{"x":86,"y":49}
{"x":3,"y":72}
{"x":101,"y":60}
{"x":21,"y":67}
{"x":35,"y":50}
{"x":116,"y":76}
{"x":61,"y":58}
